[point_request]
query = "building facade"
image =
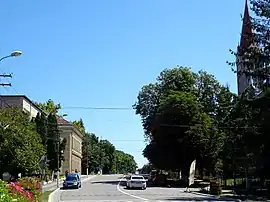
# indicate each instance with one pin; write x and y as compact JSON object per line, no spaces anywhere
{"x":73,"y":150}
{"x":20,"y":101}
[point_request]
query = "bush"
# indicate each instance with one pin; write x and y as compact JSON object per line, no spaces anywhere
{"x":31,"y":185}
{"x":4,"y":192}
{"x":25,"y":190}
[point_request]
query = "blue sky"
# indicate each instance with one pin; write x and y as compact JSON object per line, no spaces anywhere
{"x":99,"y":53}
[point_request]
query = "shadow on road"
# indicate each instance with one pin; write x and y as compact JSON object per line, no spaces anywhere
{"x":113,"y":182}
{"x":67,"y":188}
{"x":197,"y":199}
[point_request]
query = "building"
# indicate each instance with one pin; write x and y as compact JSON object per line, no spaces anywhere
{"x":245,"y":41}
{"x":73,"y":151}
{"x":20,"y":101}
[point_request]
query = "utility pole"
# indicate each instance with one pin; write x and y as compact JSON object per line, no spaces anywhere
{"x":5,"y":76}
{"x":13,"y":54}
{"x":57,"y":156}
{"x":87,"y":160}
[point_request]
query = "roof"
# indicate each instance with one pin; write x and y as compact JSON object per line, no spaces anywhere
{"x":24,"y":97}
{"x":62,"y":121}
{"x":246,"y":34}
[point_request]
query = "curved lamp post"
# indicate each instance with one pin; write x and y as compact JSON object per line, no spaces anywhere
{"x":13,"y":54}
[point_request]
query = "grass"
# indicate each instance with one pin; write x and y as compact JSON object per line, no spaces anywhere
{"x":45,"y":196}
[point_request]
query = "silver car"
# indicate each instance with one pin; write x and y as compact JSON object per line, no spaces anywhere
{"x":136,"y":181}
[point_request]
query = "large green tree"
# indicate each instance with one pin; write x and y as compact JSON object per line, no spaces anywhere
{"x":21,"y":146}
{"x":42,"y":127}
{"x":108,"y":158}
{"x":55,"y":145}
{"x":123,"y":163}
{"x":179,"y":112}
{"x":247,"y":145}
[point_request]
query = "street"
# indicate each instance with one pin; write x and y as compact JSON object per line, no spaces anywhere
{"x":107,"y":188}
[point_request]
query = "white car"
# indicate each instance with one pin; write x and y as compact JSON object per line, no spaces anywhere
{"x":136,"y":181}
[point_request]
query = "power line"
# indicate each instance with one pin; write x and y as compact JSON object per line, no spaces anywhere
{"x":127,"y":140}
{"x":98,"y":108}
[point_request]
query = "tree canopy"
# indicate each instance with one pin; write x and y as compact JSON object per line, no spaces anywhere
{"x":179,"y":114}
{"x":21,"y":146}
{"x":50,"y":106}
{"x":101,"y":154}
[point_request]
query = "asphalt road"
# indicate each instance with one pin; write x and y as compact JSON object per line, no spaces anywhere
{"x":107,"y":188}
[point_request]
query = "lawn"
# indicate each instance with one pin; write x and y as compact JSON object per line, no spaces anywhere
{"x":45,"y":196}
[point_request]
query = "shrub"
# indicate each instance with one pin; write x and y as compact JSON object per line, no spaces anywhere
{"x":25,"y":190}
{"x":4,"y":192}
{"x":31,"y":185}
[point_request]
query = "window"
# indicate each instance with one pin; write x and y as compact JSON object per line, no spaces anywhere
{"x":137,"y":178}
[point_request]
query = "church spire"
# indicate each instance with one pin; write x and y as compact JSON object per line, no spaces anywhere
{"x":246,"y":34}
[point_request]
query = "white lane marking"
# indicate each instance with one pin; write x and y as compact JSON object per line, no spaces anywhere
{"x":128,"y":194}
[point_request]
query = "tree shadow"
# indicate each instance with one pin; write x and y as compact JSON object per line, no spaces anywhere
{"x":112,"y":182}
{"x":198,"y":199}
{"x":68,"y":188}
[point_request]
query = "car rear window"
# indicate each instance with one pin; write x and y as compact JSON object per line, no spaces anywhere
{"x":137,"y":178}
{"x":71,"y":178}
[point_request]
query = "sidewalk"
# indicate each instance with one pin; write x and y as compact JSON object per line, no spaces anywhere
{"x":53,"y":185}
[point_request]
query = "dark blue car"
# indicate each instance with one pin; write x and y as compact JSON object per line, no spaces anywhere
{"x":72,"y":181}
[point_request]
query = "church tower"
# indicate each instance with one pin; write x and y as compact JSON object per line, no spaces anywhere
{"x":245,"y":42}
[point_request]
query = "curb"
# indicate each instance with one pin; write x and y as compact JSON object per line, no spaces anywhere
{"x":216,"y":197}
{"x":51,"y":196}
{"x":51,"y":183}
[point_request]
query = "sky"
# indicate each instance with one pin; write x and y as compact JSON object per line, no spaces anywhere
{"x":99,"y":53}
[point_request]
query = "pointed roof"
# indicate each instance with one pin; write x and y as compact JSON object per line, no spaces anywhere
{"x":246,"y":33}
{"x":62,"y":121}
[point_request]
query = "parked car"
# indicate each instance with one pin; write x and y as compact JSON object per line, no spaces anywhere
{"x":72,"y":181}
{"x":136,"y":181}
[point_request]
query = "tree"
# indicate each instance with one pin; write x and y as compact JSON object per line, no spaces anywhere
{"x":147,"y":168}
{"x":181,"y":132}
{"x":41,"y":126}
{"x":123,"y":162}
{"x":53,"y":137}
{"x":251,"y":114}
{"x":108,"y":150}
{"x":180,"y":105}
{"x":55,"y":146}
{"x":80,"y":125}
{"x":50,"y":106}
{"x":21,"y":146}
{"x":93,"y":155}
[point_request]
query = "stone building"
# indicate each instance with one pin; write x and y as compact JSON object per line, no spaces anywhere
{"x":73,"y":151}
{"x":20,"y":101}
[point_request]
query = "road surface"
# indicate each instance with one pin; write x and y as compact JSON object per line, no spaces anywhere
{"x":108,"y":188}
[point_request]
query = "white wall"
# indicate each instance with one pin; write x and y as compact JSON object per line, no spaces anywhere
{"x":30,"y":109}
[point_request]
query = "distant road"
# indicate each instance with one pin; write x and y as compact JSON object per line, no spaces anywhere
{"x":106,"y":188}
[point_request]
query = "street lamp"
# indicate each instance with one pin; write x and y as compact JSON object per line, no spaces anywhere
{"x":13,"y":54}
